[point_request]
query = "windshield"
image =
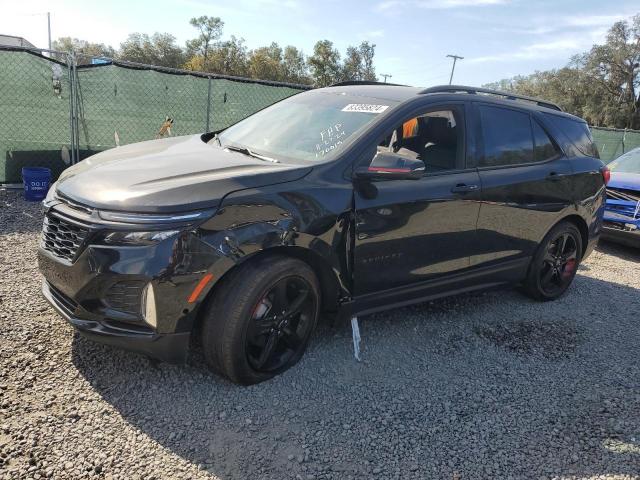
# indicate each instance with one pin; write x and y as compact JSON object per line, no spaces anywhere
{"x":311,"y":126}
{"x":627,"y":163}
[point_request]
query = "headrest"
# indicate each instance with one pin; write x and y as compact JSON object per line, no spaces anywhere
{"x":439,"y":132}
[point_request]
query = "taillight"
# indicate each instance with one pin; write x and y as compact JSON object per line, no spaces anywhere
{"x":606,"y":174}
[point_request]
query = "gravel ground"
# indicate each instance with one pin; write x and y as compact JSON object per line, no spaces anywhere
{"x":480,"y":386}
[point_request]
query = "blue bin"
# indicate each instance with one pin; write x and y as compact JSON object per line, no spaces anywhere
{"x":36,"y":183}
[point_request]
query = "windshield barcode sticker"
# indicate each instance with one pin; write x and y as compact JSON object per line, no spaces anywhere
{"x":365,"y":108}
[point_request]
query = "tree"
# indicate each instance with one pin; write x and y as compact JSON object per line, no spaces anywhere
{"x":229,"y":58}
{"x":367,"y":52}
{"x":160,"y":49}
{"x":266,"y":63}
{"x":352,"y":67}
{"x":208,"y":53}
{"x":601,"y":85}
{"x":358,"y":63}
{"x":615,"y":69}
{"x":294,"y":66}
{"x":325,"y":64}
{"x":83,"y":48}
{"x":210,"y":29}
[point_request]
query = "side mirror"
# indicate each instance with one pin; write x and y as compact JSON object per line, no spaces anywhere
{"x":391,"y":166}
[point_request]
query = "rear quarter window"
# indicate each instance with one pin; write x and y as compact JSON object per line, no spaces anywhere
{"x":575,"y":136}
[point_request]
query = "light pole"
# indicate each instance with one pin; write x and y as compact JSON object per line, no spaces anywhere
{"x":453,"y":67}
{"x":385,"y":75}
{"x":49,"y":27}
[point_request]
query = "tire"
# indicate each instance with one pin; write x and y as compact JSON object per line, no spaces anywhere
{"x":555,"y":263}
{"x":248,"y":316}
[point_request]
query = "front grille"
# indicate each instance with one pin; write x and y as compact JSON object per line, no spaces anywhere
{"x":62,"y":238}
{"x":125,"y":296}
{"x":66,"y":303}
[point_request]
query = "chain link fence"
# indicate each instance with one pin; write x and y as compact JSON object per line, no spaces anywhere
{"x":57,"y":109}
{"x":35,"y":113}
{"x":614,"y":142}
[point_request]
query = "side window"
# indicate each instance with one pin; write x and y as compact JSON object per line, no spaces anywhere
{"x":543,"y":147}
{"x":577,"y":133}
{"x":506,"y":135}
{"x":436,"y":138}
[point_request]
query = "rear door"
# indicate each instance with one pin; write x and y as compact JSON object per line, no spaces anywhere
{"x":526,"y":183}
{"x":411,"y":231}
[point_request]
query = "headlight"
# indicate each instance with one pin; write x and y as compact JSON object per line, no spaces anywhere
{"x":138,"y":238}
{"x":154,"y":218}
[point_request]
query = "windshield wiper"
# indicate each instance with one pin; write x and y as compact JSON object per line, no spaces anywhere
{"x":246,"y":151}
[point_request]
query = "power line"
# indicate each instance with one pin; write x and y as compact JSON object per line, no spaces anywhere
{"x":453,"y":67}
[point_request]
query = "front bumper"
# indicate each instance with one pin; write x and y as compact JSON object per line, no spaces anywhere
{"x":168,"y":347}
{"x":134,"y":297}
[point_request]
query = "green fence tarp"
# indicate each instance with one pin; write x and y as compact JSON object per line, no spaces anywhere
{"x":133,"y":104}
{"x":614,"y":142}
{"x":116,"y":104}
{"x":34,"y":119}
{"x":126,"y":104}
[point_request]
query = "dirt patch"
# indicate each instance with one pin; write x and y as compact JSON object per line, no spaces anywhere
{"x":549,"y":339}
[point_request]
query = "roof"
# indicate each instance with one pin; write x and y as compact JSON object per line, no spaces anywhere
{"x":401,"y":93}
{"x":12,"y":41}
{"x":491,"y":92}
{"x":398,"y":93}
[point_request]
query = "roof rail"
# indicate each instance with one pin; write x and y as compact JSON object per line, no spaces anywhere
{"x":363,"y":82}
{"x":499,"y":93}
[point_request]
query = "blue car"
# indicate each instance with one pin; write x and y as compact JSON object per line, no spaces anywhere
{"x":622,"y":210}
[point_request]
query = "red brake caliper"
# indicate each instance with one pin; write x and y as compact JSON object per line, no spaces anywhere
{"x":569,"y":268}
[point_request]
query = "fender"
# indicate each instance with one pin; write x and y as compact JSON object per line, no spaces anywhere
{"x":307,"y":221}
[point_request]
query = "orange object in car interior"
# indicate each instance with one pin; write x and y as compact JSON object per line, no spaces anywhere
{"x":410,"y":128}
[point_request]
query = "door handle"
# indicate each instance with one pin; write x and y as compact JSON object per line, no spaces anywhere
{"x":554,"y":176}
{"x":464,"y":188}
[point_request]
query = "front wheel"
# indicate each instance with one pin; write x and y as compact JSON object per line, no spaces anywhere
{"x":260,"y":320}
{"x":555,"y":264}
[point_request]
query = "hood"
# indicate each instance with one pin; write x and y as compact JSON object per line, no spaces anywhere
{"x":627,"y":181}
{"x":168,"y":175}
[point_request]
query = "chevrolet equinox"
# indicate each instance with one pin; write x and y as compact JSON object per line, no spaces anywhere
{"x":340,"y":201}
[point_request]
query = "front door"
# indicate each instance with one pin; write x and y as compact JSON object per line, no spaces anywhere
{"x":410,"y":231}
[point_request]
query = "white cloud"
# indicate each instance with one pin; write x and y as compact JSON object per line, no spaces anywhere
{"x":571,"y":35}
{"x":595,"y":20}
{"x":437,"y":4}
{"x":552,"y":49}
{"x":558,"y":24}
{"x":372,"y":34}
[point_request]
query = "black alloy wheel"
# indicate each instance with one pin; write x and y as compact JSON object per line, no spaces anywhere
{"x":258,"y":322}
{"x":555,"y":263}
{"x":281,"y":322}
{"x":559,"y":264}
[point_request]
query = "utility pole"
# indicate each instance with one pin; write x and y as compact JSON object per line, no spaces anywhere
{"x":385,"y":75}
{"x":453,"y":67}
{"x":49,"y":27}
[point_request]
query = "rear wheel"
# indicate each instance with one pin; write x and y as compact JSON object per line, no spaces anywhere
{"x":555,"y":264}
{"x":260,"y":320}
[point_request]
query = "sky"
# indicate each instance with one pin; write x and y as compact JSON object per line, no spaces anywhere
{"x":497,"y":38}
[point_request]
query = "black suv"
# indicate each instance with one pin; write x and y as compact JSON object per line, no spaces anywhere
{"x":345,"y":200}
